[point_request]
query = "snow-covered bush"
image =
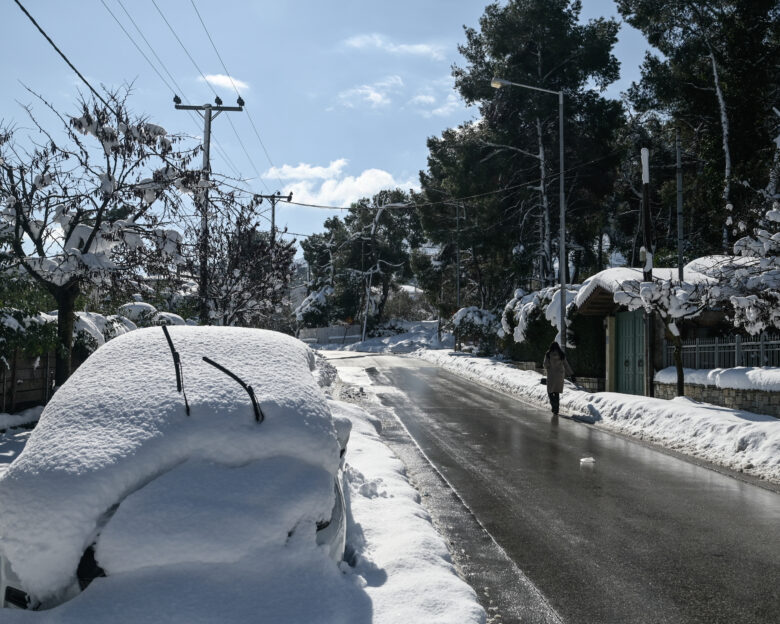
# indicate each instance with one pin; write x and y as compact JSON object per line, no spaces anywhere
{"x":36,"y":334}
{"x":393,"y":327}
{"x":31,"y":334}
{"x":313,"y":309}
{"x":146,"y":315}
{"x":408,"y":303}
{"x":525,"y":308}
{"x":756,"y":279}
{"x":476,"y":325}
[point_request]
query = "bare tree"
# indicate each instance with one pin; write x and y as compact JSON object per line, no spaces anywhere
{"x":92,"y":200}
{"x":250,"y":273}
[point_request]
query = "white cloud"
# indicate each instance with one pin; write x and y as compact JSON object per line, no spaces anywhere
{"x":304,"y":171}
{"x":312,"y":186}
{"x":223,"y":81}
{"x":381,"y":42}
{"x":423,"y":100}
{"x":376,"y":94}
{"x":426,"y":105}
{"x":451,"y":105}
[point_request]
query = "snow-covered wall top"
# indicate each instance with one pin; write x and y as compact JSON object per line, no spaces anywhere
{"x":741,"y":378}
{"x":119,"y":422}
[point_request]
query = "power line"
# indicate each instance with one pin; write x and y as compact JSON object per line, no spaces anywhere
{"x":232,"y":82}
{"x":222,"y":152}
{"x":65,"y":58}
{"x":200,"y":71}
{"x":137,"y":47}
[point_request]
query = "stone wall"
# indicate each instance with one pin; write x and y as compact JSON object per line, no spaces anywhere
{"x":756,"y":401}
{"x":591,"y":384}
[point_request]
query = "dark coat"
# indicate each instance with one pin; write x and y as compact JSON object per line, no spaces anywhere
{"x":557,"y":370}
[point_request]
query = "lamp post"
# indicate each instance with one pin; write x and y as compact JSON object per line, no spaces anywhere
{"x":497,"y":83}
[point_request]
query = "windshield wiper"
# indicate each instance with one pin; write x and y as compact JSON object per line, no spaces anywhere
{"x":177,"y":366}
{"x":258,"y":412}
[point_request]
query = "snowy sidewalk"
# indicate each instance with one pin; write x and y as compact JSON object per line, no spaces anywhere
{"x":738,"y":440}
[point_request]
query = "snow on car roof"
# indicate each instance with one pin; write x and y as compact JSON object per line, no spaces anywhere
{"x":119,"y":423}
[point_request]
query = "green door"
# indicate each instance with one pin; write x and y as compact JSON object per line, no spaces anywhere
{"x":629,"y":367}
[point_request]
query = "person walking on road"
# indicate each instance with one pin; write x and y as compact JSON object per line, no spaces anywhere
{"x":557,"y":368}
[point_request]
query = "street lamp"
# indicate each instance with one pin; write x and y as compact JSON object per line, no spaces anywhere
{"x":497,"y":83}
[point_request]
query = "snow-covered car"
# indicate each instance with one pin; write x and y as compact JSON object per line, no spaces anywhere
{"x":173,"y":448}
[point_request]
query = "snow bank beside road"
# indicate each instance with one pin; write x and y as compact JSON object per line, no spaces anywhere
{"x":404,"y":563}
{"x":735,"y":439}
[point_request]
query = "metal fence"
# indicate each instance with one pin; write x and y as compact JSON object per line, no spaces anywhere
{"x":335,"y":335}
{"x":727,"y":352}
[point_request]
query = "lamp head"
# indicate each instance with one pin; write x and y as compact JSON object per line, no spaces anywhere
{"x":497,"y":83}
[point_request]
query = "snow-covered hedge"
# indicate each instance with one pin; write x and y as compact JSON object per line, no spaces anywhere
{"x":476,"y":325}
{"x":37,"y":333}
{"x":313,"y":306}
{"x":146,"y":315}
{"x":524,"y":308}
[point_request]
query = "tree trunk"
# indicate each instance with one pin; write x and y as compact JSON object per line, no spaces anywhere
{"x":383,"y":299}
{"x":14,"y":362}
{"x":677,"y":342}
{"x":547,"y":233}
{"x":724,"y":123}
{"x":66,"y":316}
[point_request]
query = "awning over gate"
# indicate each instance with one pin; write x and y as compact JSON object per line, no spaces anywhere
{"x":600,"y":302}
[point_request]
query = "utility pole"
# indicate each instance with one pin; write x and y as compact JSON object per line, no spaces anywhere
{"x":679,"y":206}
{"x":457,"y":270}
{"x":273,"y":199}
{"x":563,"y":262}
{"x":208,"y":112}
{"x":647,"y":269}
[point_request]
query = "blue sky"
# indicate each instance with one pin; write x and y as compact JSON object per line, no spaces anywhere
{"x":340,"y":95}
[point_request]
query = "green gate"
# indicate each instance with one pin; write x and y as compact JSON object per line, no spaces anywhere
{"x":629,"y":350}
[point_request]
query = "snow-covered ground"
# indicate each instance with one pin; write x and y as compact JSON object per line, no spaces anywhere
{"x":229,"y":558}
{"x":26,"y":417}
{"x":411,"y":337}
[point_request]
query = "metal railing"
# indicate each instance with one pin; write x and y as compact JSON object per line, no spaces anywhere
{"x":727,"y":352}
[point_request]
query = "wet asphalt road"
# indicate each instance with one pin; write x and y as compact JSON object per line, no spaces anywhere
{"x":638,"y":536}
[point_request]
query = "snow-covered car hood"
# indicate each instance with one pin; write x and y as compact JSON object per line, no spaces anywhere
{"x":119,"y":423}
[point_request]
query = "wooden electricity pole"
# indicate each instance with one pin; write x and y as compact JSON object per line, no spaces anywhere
{"x":647,"y":243}
{"x":208,"y":112}
{"x":273,"y":199}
